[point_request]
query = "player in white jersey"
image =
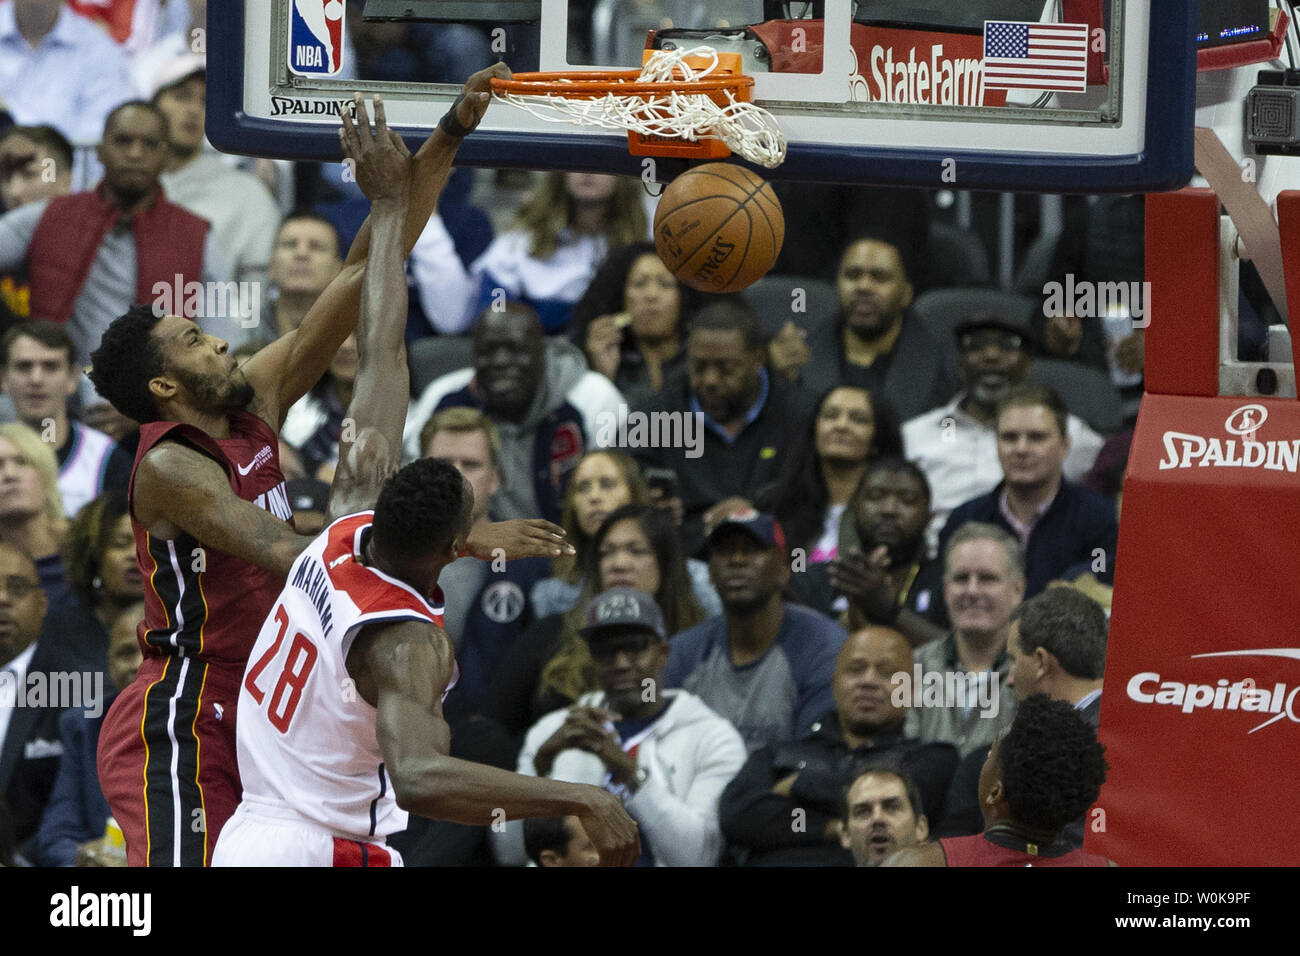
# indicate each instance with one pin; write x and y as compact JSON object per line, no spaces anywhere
{"x":340,"y":727}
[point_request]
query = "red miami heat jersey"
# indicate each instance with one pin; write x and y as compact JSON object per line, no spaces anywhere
{"x":306,"y":739}
{"x":978,"y":850}
{"x":198,"y":600}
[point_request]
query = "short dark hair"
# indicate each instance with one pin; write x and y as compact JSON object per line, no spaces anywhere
{"x":50,"y":334}
{"x":731,"y":313}
{"x":420,"y":509}
{"x":311,"y":215}
{"x":897,"y":465}
{"x":46,"y":136}
{"x":129,"y":355}
{"x":1052,"y":764}
{"x":546,"y":833}
{"x":1070,"y":626}
{"x":1030,"y":395}
{"x":885,"y":767}
{"x":138,"y":104}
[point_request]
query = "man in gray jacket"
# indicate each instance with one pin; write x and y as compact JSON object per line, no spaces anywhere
{"x":664,"y":751}
{"x":546,"y":404}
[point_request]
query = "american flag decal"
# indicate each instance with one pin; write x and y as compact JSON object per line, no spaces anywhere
{"x":1035,"y":56}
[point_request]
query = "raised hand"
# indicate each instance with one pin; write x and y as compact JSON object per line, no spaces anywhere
{"x":477,"y":94}
{"x":520,"y":538}
{"x":380,"y":157}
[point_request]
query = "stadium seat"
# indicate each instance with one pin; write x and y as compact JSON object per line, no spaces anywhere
{"x":773,"y":296}
{"x":428,"y":358}
{"x":942,"y":309}
{"x":957,"y":257}
{"x":1088,"y":392}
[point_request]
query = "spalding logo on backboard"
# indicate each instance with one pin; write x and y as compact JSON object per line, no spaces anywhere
{"x":316,"y":37}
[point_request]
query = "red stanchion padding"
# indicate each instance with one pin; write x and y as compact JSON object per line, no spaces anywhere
{"x":1200,"y":708}
{"x":1288,"y":224}
{"x":1182,"y":265}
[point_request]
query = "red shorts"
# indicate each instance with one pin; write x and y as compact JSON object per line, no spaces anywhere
{"x":167,"y":760}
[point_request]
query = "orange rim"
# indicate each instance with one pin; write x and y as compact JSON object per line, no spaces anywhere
{"x":585,"y":84}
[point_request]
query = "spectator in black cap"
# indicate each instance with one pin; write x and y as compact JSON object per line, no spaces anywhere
{"x":875,"y":342}
{"x":664,"y":751}
{"x":956,"y":443}
{"x":763,"y":664}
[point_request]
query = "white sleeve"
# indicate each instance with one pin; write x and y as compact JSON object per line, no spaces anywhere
{"x":595,"y":397}
{"x":444,"y":287}
{"x":684,"y":830}
{"x":1085,"y":444}
{"x":422,"y":410}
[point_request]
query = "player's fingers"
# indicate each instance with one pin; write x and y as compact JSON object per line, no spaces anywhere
{"x":364,"y":136}
{"x":348,"y":133}
{"x":381,"y":120}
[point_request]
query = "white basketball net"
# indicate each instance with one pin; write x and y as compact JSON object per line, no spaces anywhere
{"x":748,"y":130}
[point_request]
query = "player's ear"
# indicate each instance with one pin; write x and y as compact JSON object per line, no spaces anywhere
{"x":162,"y":388}
{"x":548,"y":858}
{"x":922,"y":828}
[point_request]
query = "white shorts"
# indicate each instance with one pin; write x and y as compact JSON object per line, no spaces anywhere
{"x":259,"y":836}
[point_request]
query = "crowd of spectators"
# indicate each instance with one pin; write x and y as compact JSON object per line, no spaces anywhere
{"x":848,"y":496}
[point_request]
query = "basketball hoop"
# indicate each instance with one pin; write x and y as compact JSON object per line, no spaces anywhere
{"x":694,"y":103}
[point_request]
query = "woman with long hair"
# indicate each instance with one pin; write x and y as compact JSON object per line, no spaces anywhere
{"x":604,"y":480}
{"x":99,"y":557}
{"x":548,"y":257}
{"x":550,"y":667}
{"x":850,"y":428}
{"x":632,"y":321}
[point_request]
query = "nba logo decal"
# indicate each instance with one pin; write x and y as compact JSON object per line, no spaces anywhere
{"x":316,"y":37}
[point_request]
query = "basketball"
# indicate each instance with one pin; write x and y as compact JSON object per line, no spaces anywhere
{"x":719,"y":227}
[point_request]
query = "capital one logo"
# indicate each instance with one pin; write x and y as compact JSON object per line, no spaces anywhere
{"x":316,"y":37}
{"x":1273,"y":704}
{"x":1242,"y":450}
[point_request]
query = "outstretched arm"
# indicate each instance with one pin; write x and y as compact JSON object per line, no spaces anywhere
{"x":402,"y":670}
{"x":377,"y":412}
{"x":285,"y":370}
{"x":178,"y":487}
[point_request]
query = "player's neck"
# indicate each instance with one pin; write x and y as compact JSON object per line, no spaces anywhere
{"x":1011,"y":831}
{"x":214,"y":423}
{"x":35,"y":535}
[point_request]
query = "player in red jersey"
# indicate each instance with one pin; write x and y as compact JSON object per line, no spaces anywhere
{"x":213,"y":541}
{"x":1044,"y":771}
{"x":341,"y":729}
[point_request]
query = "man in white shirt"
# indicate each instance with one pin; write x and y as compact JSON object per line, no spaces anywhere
{"x":665,"y":752}
{"x":59,"y":68}
{"x":956,"y":444}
